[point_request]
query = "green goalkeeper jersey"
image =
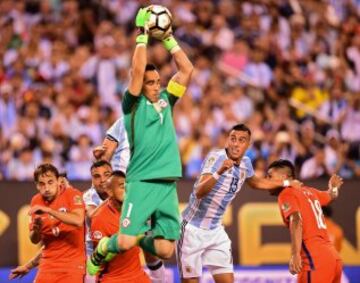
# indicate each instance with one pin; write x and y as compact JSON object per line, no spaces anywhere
{"x":154,"y":153}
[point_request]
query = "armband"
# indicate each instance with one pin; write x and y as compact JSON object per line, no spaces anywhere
{"x":176,"y":89}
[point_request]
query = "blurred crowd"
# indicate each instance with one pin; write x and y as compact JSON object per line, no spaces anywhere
{"x":289,"y":69}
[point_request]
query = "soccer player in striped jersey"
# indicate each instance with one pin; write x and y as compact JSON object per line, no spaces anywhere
{"x":313,"y":256}
{"x":115,"y":149}
{"x":203,"y":240}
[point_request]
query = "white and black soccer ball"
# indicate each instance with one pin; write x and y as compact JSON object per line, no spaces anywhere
{"x":160,"y":22}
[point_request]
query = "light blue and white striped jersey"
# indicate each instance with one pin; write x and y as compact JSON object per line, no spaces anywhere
{"x":117,"y":133}
{"x":207,"y":212}
{"x":90,"y":197}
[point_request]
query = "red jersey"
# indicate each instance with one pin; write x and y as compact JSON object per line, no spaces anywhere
{"x":125,"y":267}
{"x":64,"y":245}
{"x":315,"y":240}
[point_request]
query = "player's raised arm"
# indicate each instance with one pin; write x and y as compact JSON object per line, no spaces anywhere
{"x":267,"y":184}
{"x":106,"y":150}
{"x":335,"y":183}
{"x":139,"y":59}
{"x":183,"y":64}
{"x":180,"y":81}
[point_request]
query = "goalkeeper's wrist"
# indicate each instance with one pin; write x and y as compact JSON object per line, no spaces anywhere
{"x":171,"y":44}
{"x":142,"y":38}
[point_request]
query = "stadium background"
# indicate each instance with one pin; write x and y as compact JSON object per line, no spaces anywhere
{"x":289,"y":69}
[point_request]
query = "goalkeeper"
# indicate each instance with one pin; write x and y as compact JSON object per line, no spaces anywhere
{"x":154,"y":155}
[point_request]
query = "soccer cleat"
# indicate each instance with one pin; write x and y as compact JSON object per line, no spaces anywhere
{"x":98,"y":257}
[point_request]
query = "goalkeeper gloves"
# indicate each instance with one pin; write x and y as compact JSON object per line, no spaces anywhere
{"x":171,"y":44}
{"x":141,"y":20}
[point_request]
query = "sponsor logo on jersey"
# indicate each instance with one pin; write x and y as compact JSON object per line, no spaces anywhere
{"x":162,"y":103}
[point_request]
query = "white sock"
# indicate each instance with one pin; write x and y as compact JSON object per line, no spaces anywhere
{"x":157,"y":271}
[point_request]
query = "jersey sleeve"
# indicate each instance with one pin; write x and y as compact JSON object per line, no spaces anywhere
{"x":288,"y":204}
{"x":249,"y":167}
{"x":113,"y":133}
{"x":89,"y":199}
{"x":129,"y":101}
{"x":172,"y":98}
{"x":323,"y":197}
{"x":212,"y":163}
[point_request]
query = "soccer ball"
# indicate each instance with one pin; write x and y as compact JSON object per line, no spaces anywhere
{"x":159,"y":22}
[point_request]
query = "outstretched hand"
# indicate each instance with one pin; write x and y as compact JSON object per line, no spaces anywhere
{"x":335,"y":181}
{"x":19,"y":272}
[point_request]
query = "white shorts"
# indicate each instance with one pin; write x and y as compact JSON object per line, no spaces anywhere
{"x":198,"y":248}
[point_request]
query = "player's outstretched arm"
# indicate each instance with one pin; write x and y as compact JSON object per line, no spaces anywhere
{"x":22,"y":270}
{"x":335,"y":183}
{"x":74,"y":217}
{"x":139,"y":58}
{"x":268,"y":184}
{"x":295,"y":264}
{"x":106,"y":150}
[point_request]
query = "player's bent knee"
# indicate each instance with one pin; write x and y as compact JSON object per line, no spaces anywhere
{"x":164,"y":248}
{"x":126,"y":242}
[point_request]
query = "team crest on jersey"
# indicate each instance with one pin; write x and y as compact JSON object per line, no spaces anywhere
{"x":62,"y":209}
{"x":188,"y":269}
{"x":285,"y":206}
{"x":162,"y":103}
{"x":210,"y":162}
{"x":126,"y":222}
{"x":97,"y":235}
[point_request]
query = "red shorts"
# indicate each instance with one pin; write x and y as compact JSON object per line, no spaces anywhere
{"x":59,"y":277}
{"x":325,"y":274}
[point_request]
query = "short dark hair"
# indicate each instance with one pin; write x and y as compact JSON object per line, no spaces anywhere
{"x":150,"y":67}
{"x":118,"y":173}
{"x":99,"y":163}
{"x":327,"y":211}
{"x":242,"y":128}
{"x":283,"y":163}
{"x":63,"y":174}
{"x":43,"y":169}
